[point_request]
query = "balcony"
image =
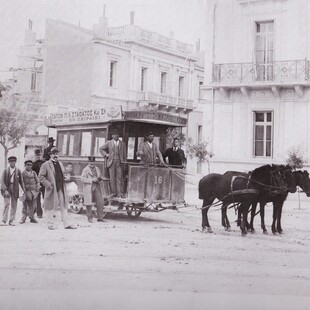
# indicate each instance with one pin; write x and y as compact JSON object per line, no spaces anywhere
{"x":167,"y":102}
{"x":274,"y":75}
{"x":132,"y":33}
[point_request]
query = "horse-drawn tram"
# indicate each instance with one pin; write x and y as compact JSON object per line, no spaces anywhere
{"x":148,"y":187}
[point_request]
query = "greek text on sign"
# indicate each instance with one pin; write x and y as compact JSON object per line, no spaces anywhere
{"x":86,"y":116}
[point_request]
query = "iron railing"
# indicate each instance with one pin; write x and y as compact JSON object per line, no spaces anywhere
{"x":157,"y":98}
{"x":277,"y":71}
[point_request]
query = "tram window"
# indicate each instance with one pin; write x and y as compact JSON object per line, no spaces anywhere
{"x":86,"y":143}
{"x":131,"y":148}
{"x":64,"y":144}
{"x":140,"y":141}
{"x":74,"y":143}
{"x":99,"y":138}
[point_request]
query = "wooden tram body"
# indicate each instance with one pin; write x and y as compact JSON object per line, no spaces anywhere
{"x":151,"y":188}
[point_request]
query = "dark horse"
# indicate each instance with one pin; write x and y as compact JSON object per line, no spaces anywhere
{"x":293,"y":179}
{"x":237,"y":187}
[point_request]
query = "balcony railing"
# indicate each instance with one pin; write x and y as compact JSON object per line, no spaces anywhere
{"x":134,"y":33}
{"x":163,"y":99}
{"x":246,"y":73}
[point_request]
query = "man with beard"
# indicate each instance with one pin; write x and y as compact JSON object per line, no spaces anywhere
{"x":52,"y":177}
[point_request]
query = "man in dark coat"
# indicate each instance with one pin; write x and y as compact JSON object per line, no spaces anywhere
{"x":10,"y":181}
{"x":175,"y":154}
{"x":46,"y":153}
{"x":36,"y":168}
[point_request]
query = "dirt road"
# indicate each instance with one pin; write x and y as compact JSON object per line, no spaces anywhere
{"x":159,"y":261}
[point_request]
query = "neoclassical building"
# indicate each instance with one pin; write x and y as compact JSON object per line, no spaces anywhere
{"x":257,"y":78}
{"x":126,"y":66}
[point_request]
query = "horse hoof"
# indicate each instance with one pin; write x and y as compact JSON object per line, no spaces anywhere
{"x":252,"y":231}
{"x":228,"y":228}
{"x":243,"y":233}
{"x":265,"y":232}
{"x":274,"y":233}
{"x":207,"y":230}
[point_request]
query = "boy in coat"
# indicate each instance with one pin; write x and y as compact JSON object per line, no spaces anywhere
{"x":91,"y":176}
{"x":32,"y":189}
{"x":115,"y":153}
{"x":149,"y":151}
{"x":175,"y":154}
{"x":52,"y":177}
{"x":10,"y":181}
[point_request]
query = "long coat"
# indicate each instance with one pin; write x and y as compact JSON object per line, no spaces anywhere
{"x":87,"y":180}
{"x":150,"y":155}
{"x":47,"y":178}
{"x":18,"y":180}
{"x":32,"y":184}
{"x":109,"y":148}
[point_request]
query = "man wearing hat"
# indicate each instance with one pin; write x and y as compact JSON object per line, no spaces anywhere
{"x":36,"y":168}
{"x":91,"y":176}
{"x":114,"y":151}
{"x":46,"y":153}
{"x":51,"y":175}
{"x":32,"y":189}
{"x":10,"y":181}
{"x":149,"y":151}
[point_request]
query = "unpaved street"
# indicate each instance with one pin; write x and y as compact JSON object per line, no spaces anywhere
{"x":159,"y":261}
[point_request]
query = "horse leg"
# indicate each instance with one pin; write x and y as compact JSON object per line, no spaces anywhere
{"x":204,"y":211}
{"x":262,"y":218}
{"x":239,"y":215}
{"x":244,"y":212}
{"x":225,"y":221}
{"x":274,"y":219}
{"x":279,"y":228}
{"x":253,"y":211}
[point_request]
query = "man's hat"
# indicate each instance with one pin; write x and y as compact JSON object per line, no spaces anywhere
{"x":114,"y":132}
{"x":53,"y":151}
{"x":150,"y":133}
{"x":91,"y":158}
{"x":28,"y":161}
{"x":50,"y":140}
{"x":12,"y":158}
{"x":37,"y":152}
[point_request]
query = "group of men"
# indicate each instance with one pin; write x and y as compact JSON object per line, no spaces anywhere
{"x":48,"y":177}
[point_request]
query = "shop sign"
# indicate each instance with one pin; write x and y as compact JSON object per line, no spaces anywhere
{"x":156,"y":116}
{"x":97,"y":115}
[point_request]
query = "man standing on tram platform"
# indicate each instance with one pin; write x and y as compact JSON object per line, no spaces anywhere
{"x":114,"y":151}
{"x":149,"y":151}
{"x":175,"y":154}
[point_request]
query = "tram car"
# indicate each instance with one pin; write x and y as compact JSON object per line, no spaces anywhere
{"x":149,"y":188}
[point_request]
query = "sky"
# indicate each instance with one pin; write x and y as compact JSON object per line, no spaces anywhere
{"x":186,"y":18}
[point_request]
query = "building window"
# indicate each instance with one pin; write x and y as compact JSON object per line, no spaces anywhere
{"x":263,"y":134}
{"x":143,"y":79}
{"x":264,"y":50}
{"x":200,"y":90}
{"x":112,"y":77}
{"x":33,"y":81}
{"x":199,"y":133}
{"x":181,"y":87}
{"x":163,"y":82}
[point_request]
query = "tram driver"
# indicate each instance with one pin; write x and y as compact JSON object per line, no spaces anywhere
{"x":149,"y":151}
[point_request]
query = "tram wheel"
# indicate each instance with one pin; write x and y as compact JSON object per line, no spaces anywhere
{"x":133,"y":211}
